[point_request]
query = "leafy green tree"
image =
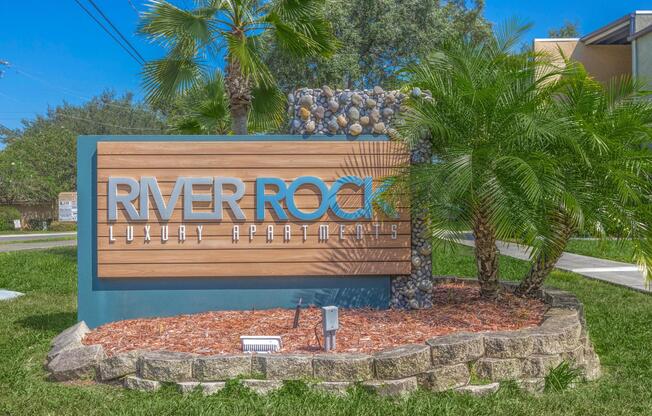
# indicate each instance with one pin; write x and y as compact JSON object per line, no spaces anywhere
{"x":605,"y":182}
{"x":39,"y":160}
{"x":568,"y":30}
{"x":38,"y":165}
{"x":486,"y":123}
{"x":230,"y":31}
{"x":377,"y":38}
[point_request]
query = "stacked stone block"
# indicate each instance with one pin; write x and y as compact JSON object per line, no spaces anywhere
{"x":442,"y":363}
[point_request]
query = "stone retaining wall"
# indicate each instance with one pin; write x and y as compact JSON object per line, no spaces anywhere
{"x":327,"y":111}
{"x":442,"y":363}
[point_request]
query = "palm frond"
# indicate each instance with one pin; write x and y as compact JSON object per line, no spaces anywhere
{"x":268,"y":109}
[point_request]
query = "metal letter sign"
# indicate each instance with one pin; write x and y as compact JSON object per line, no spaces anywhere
{"x":171,"y":224}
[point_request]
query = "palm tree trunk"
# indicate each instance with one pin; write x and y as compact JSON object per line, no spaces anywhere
{"x":239,"y":90}
{"x":531,"y":285}
{"x":486,"y":255}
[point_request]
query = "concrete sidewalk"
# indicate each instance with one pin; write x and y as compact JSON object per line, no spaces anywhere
{"x":7,"y":238}
{"x":621,"y":274}
{"x":4,"y":248}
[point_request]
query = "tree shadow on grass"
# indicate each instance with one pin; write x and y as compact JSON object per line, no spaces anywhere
{"x":68,"y":253}
{"x":56,"y":321}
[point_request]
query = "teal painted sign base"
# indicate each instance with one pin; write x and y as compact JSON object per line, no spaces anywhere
{"x":104,"y":300}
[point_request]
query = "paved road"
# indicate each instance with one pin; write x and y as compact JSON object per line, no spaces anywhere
{"x":36,"y":246}
{"x":40,"y":236}
{"x":621,"y":274}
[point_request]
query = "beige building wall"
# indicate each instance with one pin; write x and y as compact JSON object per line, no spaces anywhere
{"x":643,"y":48}
{"x":603,"y":62}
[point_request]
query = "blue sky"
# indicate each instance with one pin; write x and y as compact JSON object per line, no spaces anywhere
{"x":58,"y":53}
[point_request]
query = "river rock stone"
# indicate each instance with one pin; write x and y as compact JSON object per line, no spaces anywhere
{"x":343,"y":367}
{"x":310,"y":127}
{"x":445,"y":377}
{"x":333,"y":105}
{"x":456,"y":348}
{"x":333,"y":126}
{"x":378,"y":90}
{"x":392,"y":388}
{"x":387,"y":112}
{"x":374,"y":115}
{"x":327,"y":91}
{"x":480,"y":389}
{"x":262,"y":387}
{"x":379,"y":128}
{"x":76,"y":363}
{"x":342,"y":121}
{"x":306,"y":101}
{"x":118,"y":366}
{"x":354,"y":113}
{"x":285,"y":366}
{"x":401,"y":362}
{"x":355,"y":129}
{"x":319,"y":112}
{"x":165,"y":366}
{"x":364,"y":120}
{"x":137,"y":383}
{"x":370,"y":103}
{"x":499,"y":369}
{"x":508,"y":344}
{"x":356,"y":99}
{"x":221,"y":367}
{"x":304,"y":113}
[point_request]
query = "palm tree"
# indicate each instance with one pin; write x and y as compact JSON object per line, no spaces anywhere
{"x":488,"y":121}
{"x":204,"y":108}
{"x":606,"y":173}
{"x":229,"y":30}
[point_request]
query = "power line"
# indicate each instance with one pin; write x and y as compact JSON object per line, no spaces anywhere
{"x":67,"y":91}
{"x":109,"y":32}
{"x":116,"y":30}
{"x":133,"y":7}
{"x":60,"y":114}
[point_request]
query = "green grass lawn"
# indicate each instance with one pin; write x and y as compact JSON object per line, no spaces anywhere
{"x":619,"y":322}
{"x":608,"y":249}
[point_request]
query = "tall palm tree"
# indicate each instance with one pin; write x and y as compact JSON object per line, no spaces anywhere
{"x":229,"y":30}
{"x":606,"y":172}
{"x":487,"y":122}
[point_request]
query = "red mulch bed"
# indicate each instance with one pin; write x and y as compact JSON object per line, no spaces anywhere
{"x":458,"y":307}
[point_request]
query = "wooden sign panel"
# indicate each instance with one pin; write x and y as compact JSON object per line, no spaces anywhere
{"x":229,"y":208}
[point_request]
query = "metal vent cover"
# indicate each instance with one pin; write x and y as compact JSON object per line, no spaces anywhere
{"x":260,"y":344}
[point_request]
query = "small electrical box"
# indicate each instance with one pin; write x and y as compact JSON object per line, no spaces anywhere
{"x":330,"y":320}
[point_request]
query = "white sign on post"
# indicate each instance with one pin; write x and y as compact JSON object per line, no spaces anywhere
{"x":68,"y":207}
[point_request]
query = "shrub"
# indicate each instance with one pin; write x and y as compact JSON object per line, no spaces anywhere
{"x":62,"y":226}
{"x":37,"y":224}
{"x":7,"y":217}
